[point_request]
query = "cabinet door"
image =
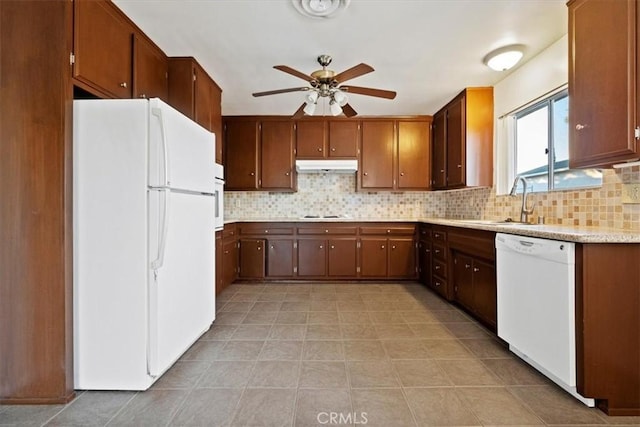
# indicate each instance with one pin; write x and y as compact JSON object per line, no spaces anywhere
{"x":216,"y":119}
{"x":424,"y":262}
{"x":150,"y":70}
{"x":343,"y":257}
{"x":439,"y":166}
{"x":280,"y":258}
{"x":373,"y":257}
{"x":414,"y":155}
{"x":484,"y":291}
{"x":102,"y":47}
{"x":219,"y":285}
{"x":312,"y":257}
{"x":241,"y":146}
{"x":230,"y":263}
{"x":277,"y":157}
{"x":456,"y":143}
{"x":203,"y":98}
{"x":182,"y":85}
{"x":402,"y":258}
{"x":311,"y":139}
{"x":343,"y":139}
{"x":602,"y":81}
{"x":377,"y":155}
{"x":252,"y":259}
{"x":463,"y":280}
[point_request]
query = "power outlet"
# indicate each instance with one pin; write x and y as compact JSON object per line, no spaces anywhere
{"x":630,"y":193}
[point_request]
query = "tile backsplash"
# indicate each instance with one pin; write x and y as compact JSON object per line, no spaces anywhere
{"x":334,"y":194}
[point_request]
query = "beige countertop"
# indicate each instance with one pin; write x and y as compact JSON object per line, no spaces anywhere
{"x":544,"y":231}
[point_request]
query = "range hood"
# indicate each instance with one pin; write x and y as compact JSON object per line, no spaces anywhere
{"x":328,"y":166}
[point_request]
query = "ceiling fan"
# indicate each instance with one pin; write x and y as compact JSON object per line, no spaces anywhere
{"x":326,"y":83}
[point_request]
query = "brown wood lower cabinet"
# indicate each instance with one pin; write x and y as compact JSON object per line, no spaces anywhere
{"x":312,"y":257}
{"x":252,"y":259}
{"x":373,"y":257}
{"x":280,"y":258}
{"x":342,"y":257}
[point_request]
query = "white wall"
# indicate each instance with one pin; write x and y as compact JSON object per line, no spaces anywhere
{"x":539,"y":76}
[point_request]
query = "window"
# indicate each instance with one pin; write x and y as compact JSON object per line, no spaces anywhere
{"x":542,"y":147}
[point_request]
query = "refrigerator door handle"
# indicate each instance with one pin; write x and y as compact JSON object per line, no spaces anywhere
{"x":165,"y":148}
{"x":164,"y":226}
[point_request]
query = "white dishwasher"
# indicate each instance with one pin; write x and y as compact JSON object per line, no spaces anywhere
{"x":536,"y":305}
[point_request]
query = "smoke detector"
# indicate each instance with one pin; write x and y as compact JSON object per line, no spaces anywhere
{"x":320,"y":8}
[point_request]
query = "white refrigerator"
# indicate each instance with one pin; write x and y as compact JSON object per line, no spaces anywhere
{"x":144,"y":282}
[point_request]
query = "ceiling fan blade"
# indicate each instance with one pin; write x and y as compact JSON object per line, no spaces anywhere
{"x":293,"y":72}
{"x":369,"y":91}
{"x":277,"y":91}
{"x":299,"y":112}
{"x":353,"y":72}
{"x":348,"y":110}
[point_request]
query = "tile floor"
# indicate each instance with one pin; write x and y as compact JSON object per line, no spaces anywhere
{"x":389,"y":355}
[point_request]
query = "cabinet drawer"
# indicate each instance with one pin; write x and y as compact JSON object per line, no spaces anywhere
{"x":439,"y":236}
{"x":440,"y":268}
{"x":229,"y":232}
{"x":439,"y":252}
{"x":327,"y":230}
{"x":390,"y":230}
{"x":439,"y":285}
{"x":425,"y":233}
{"x":266,"y":230}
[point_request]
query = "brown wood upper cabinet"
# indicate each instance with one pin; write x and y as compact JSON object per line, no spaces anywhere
{"x":259,"y":154}
{"x":463,"y":141}
{"x":320,"y":139}
{"x":150,"y":70}
{"x":197,"y":96}
{"x":102,"y":47}
{"x":395,"y":155}
{"x":603,"y":82}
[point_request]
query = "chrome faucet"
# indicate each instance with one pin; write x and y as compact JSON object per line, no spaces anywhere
{"x":524,"y":212}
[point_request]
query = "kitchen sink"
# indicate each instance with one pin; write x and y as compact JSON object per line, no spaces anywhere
{"x":507,"y":221}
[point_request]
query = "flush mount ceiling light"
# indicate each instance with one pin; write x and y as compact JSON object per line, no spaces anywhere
{"x":320,"y":8}
{"x":504,"y":58}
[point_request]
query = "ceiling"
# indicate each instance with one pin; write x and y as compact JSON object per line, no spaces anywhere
{"x":425,"y":50}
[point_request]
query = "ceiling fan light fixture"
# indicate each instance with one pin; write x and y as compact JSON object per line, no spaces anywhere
{"x":340,"y":98}
{"x":309,"y":109}
{"x":335,"y":108}
{"x":505,"y":57}
{"x":311,"y":97}
{"x":320,"y":8}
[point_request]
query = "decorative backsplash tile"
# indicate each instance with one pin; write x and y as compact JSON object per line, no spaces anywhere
{"x":334,"y":194}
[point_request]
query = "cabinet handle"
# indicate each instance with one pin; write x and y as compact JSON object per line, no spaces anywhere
{"x":266,"y":231}
{"x":467,"y":265}
{"x":401,"y":173}
{"x":333,"y":247}
{"x":437,"y":251}
{"x":580,"y":127}
{"x":365,"y":174}
{"x":381,"y":246}
{"x":459,"y":166}
{"x":143,"y":96}
{"x":437,"y":267}
{"x":321,"y":246}
{"x":123,"y":84}
{"x":259,"y":247}
{"x":319,"y":150}
{"x":252,"y":173}
{"x":333,"y":149}
{"x":393,"y":247}
{"x":476,"y":269}
{"x":286,"y":174}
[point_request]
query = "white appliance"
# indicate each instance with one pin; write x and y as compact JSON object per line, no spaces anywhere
{"x":143,"y":185}
{"x":536,"y":305}
{"x":219,"y":197}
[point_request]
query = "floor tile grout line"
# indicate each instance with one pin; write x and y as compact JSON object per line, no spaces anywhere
{"x":122,"y":408}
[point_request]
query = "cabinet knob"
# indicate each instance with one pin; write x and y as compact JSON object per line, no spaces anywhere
{"x":365,"y":174}
{"x":271,"y":246}
{"x":286,"y":174}
{"x":436,"y":235}
{"x":437,"y":267}
{"x":459,"y":166}
{"x":143,"y":96}
{"x":123,"y":84}
{"x":226,"y":252}
{"x":266,"y":231}
{"x":381,"y":246}
{"x":438,"y":284}
{"x":333,"y":149}
{"x":401,"y":173}
{"x":427,"y":250}
{"x":259,"y":247}
{"x":321,"y":246}
{"x":388,"y":231}
{"x":393,"y":247}
{"x":252,"y":173}
{"x":326,"y":231}
{"x":437,"y":251}
{"x":319,"y":149}
{"x":333,"y":247}
{"x":441,"y":170}
{"x":476,"y":269}
{"x":467,"y":265}
{"x":580,"y":127}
